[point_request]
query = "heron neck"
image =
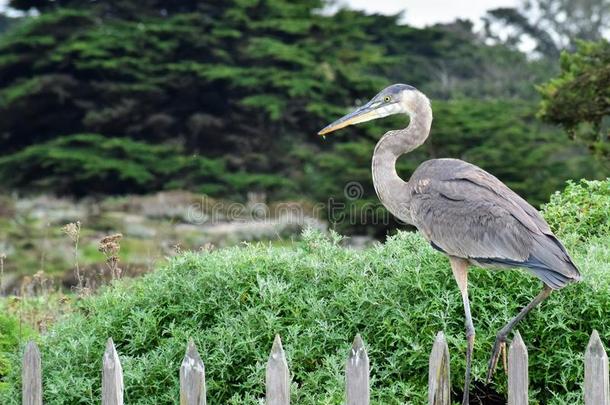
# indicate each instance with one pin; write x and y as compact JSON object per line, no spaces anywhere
{"x":390,"y":188}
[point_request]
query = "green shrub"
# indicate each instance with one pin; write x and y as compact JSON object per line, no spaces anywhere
{"x":583,"y":208}
{"x":11,"y":335}
{"x":317,"y":295}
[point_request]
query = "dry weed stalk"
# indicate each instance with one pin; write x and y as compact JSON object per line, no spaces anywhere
{"x":42,"y":287}
{"x":35,"y":305}
{"x":177,"y":248}
{"x":110,"y":246}
{"x":42,"y":284}
{"x":73,"y":231}
{"x":207,"y":247}
{"x":2,"y":257}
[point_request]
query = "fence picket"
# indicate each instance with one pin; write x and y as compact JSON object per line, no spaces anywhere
{"x":596,"y":372}
{"x":32,"y":375}
{"x":439,"y":381}
{"x":192,"y":377}
{"x":357,"y":374}
{"x":277,"y":376}
{"x":112,"y":376}
{"x":518,"y":377}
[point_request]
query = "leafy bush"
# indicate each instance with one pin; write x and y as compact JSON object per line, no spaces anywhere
{"x":11,"y":335}
{"x":583,"y":208}
{"x":317,"y":295}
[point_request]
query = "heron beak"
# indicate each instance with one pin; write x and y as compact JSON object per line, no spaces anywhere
{"x":365,"y":113}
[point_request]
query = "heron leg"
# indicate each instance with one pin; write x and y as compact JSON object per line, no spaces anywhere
{"x":500,"y":342}
{"x":460,"y":272}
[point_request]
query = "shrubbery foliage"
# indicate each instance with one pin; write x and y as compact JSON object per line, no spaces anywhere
{"x":583,"y":208}
{"x":317,"y":295}
{"x":12,"y":334}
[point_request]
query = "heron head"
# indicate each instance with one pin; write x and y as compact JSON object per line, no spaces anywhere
{"x":394,"y":99}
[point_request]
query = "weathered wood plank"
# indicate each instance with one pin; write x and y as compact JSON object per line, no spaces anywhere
{"x":439,"y":379}
{"x":192,"y":377}
{"x":518,"y":376}
{"x":357,"y":389}
{"x":112,"y":376}
{"x":32,"y":375}
{"x":596,"y":373}
{"x":277,"y":376}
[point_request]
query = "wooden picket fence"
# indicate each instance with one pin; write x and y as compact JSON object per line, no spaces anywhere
{"x":357,"y":387}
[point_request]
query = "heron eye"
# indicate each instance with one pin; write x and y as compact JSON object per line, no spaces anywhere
{"x":387,"y":98}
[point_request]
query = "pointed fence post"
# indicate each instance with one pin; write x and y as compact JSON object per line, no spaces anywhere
{"x":277,"y":376}
{"x":357,"y":389}
{"x":439,"y":382}
{"x":517,"y":372}
{"x":192,"y":377}
{"x":596,"y":372}
{"x":32,"y":375}
{"x":112,"y":376}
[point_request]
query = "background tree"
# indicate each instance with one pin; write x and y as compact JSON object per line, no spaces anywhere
{"x":6,"y":22}
{"x":553,"y":25}
{"x":579,"y":98}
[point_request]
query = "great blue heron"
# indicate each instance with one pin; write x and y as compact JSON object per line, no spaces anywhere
{"x":463,"y":211}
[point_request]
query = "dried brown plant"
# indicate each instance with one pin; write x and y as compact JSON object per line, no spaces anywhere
{"x":2,"y":258}
{"x":207,"y":247}
{"x":73,"y":231}
{"x":177,"y":248}
{"x":110,"y":246}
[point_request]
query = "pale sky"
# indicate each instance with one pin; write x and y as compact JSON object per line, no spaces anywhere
{"x":420,"y":13}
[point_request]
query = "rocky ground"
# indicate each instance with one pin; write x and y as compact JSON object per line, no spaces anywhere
{"x":40,"y":252}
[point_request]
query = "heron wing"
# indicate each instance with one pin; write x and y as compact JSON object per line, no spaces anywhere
{"x":467,"y":212}
{"x":465,"y":221}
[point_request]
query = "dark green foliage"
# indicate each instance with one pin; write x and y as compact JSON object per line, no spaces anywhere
{"x":87,"y":164}
{"x":579,"y":98}
{"x":114,"y":8}
{"x":504,"y":138}
{"x":583,"y":208}
{"x":317,"y":296}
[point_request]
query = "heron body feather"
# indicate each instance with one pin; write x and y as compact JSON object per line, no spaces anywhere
{"x":466,"y":212}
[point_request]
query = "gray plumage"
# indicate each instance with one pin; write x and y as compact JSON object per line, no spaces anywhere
{"x":468,"y":213}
